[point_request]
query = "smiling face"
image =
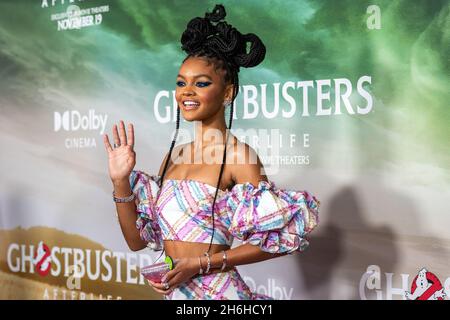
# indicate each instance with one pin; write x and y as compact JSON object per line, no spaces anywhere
{"x":202,"y":84}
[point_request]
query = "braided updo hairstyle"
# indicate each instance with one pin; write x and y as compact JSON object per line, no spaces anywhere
{"x":221,"y":44}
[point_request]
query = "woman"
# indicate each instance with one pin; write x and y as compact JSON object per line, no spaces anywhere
{"x":179,"y":210}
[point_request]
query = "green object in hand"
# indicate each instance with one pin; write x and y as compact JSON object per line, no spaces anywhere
{"x":169,"y":262}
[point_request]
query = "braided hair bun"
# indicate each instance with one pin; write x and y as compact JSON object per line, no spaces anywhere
{"x":209,"y":36}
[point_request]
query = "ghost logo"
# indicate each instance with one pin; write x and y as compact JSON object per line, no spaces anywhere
{"x":425,"y":286}
{"x":42,"y":259}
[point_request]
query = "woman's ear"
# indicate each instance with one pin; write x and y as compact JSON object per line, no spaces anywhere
{"x":229,"y":92}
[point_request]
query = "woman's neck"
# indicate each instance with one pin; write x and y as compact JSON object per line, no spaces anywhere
{"x":209,"y":134}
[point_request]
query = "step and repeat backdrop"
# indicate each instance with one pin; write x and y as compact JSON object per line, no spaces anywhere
{"x":351,"y":103}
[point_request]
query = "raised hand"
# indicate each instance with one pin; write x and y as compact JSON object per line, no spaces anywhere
{"x":122,"y":158}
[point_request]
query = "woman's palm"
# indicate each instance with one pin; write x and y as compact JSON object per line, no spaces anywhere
{"x":122,"y":158}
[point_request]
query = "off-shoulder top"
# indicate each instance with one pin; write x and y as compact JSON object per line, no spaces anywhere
{"x":277,"y":220}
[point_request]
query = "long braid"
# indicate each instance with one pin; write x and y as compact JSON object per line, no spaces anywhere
{"x":228,"y":131}
{"x":171,"y":148}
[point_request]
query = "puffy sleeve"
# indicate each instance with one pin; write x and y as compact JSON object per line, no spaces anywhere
{"x":276,"y":220}
{"x":146,"y":187}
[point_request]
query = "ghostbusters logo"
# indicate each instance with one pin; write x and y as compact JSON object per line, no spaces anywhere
{"x":425,"y":286}
{"x":42,"y":259}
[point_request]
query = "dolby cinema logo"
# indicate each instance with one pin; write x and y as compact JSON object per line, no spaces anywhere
{"x":85,"y":125}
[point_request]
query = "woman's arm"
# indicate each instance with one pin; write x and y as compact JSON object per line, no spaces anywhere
{"x":126,"y":213}
{"x":187,"y":268}
{"x":121,"y":161}
{"x":243,"y":254}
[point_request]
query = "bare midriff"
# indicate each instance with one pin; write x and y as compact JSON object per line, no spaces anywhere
{"x":184,"y":249}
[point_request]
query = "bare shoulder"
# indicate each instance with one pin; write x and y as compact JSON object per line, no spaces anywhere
{"x":246,"y":165}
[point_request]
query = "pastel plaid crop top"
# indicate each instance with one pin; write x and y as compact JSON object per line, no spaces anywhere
{"x":275,"y":219}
